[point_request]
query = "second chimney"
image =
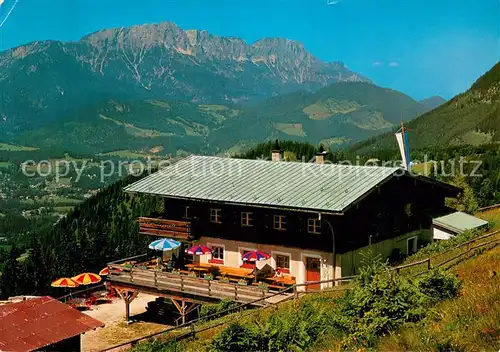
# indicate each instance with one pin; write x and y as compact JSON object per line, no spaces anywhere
{"x":276,"y":155}
{"x":320,"y":157}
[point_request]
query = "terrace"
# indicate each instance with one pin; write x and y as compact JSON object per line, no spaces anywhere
{"x":201,"y":283}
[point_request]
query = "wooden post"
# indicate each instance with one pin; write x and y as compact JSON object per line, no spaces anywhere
{"x":236,"y":292}
{"x":183,"y":307}
{"x":429,"y":266}
{"x":128,"y":296}
{"x":127,"y":310}
{"x":295,"y":292}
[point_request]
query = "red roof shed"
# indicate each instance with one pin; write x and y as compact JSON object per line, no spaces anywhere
{"x":41,"y":322}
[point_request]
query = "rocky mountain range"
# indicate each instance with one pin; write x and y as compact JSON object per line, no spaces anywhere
{"x":44,"y":81}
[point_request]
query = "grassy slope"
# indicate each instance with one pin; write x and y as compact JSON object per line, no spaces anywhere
{"x":466,"y":323}
{"x":341,"y":111}
{"x":15,"y":148}
{"x":477,"y":307}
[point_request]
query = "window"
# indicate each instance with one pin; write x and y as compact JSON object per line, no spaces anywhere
{"x":215,"y":216}
{"x":313,"y":226}
{"x":283,"y":262}
{"x":187,"y":212}
{"x":246,"y":219}
{"x":218,"y":252}
{"x":217,"y":255}
{"x":279,"y":222}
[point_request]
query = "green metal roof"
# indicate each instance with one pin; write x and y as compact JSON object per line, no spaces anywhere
{"x":307,"y":186}
{"x":459,"y":222}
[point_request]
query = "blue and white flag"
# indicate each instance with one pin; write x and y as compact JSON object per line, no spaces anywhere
{"x":404,"y":148}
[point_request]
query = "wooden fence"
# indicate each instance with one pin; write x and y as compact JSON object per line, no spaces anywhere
{"x":444,"y":259}
{"x":491,"y":207}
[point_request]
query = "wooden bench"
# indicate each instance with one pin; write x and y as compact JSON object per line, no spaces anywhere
{"x":240,"y":273}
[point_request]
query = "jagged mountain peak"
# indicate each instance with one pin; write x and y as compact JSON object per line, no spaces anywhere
{"x":52,"y":78}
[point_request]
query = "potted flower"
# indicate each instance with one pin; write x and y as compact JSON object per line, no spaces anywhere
{"x":224,"y":279}
{"x":176,"y":271}
{"x":192,"y":274}
{"x":208,"y":277}
{"x":263,"y":286}
{"x":243,"y":282}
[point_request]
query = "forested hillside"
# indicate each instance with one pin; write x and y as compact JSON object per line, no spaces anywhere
{"x":472,"y":118}
{"x":99,"y":230}
{"x":338,"y":115}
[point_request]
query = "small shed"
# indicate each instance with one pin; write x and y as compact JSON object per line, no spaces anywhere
{"x":43,"y":324}
{"x":445,"y":227}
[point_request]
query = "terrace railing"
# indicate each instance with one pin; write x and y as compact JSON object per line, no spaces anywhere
{"x":164,"y":281}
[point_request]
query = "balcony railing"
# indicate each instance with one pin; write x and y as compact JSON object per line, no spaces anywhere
{"x":180,"y":230}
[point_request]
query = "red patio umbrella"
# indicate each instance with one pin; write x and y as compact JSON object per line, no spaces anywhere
{"x":64,"y":282}
{"x":87,"y":278}
{"x":104,"y":272}
{"x":255,"y":256}
{"x":199,"y":250}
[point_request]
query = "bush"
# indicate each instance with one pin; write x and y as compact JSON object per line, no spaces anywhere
{"x":157,"y":346}
{"x":235,"y":338}
{"x":439,"y":285}
{"x":377,"y":304}
{"x":396,"y":257}
{"x":218,"y":308}
{"x":293,"y":329}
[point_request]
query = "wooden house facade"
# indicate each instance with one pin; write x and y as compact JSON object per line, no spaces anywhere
{"x":310,"y":217}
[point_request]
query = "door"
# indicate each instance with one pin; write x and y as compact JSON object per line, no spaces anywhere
{"x":313,"y":272}
{"x":411,"y":246}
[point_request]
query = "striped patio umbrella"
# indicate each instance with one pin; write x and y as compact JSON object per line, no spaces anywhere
{"x":64,"y":282}
{"x":104,"y":272}
{"x":199,"y":250}
{"x":255,"y":256}
{"x":87,"y":278}
{"x":164,"y":244}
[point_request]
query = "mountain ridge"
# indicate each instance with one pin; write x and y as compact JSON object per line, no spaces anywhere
{"x":44,"y":80}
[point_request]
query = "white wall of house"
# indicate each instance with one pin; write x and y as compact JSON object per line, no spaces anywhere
{"x":297,"y":257}
{"x":441,"y":234}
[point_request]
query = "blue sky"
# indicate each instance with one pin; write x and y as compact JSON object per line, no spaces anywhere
{"x":421,"y":47}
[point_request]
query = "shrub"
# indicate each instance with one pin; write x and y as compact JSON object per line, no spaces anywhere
{"x":157,"y":346}
{"x":293,"y":329}
{"x":378,"y":303}
{"x":235,"y":338}
{"x":218,"y":308}
{"x":396,"y":257}
{"x":439,"y":285}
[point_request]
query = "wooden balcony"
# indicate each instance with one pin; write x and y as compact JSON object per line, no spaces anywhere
{"x":179,"y":284}
{"x":179,"y":230}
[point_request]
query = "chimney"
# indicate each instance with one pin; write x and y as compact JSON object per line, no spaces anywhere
{"x":276,"y":153}
{"x":320,"y":155}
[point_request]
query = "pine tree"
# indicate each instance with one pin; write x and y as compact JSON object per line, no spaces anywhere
{"x":10,"y":279}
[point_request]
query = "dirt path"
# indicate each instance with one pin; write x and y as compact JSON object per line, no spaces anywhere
{"x":117,"y":330}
